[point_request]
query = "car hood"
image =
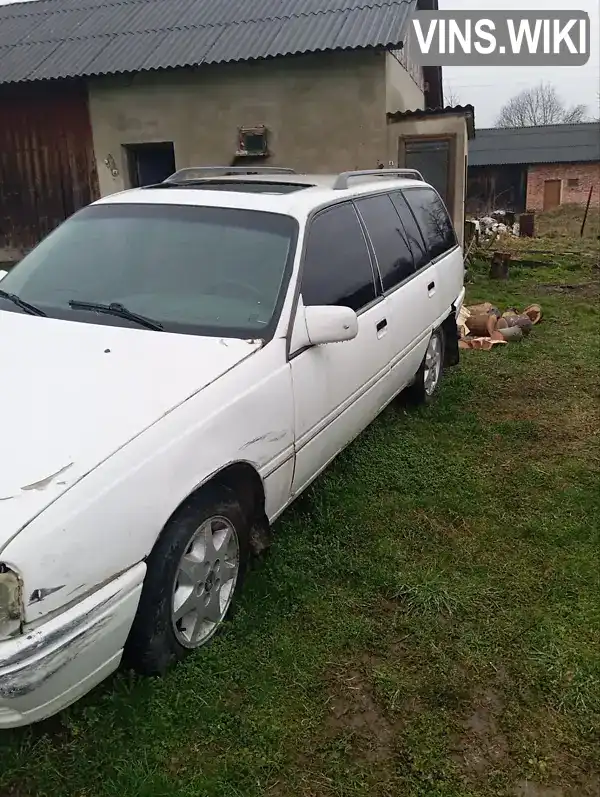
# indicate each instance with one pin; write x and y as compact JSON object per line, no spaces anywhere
{"x":71,"y":394}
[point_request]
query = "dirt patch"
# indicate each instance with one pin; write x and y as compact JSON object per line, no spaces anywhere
{"x":482,"y":747}
{"x":527,"y":788}
{"x":353,"y":711}
{"x":584,"y":290}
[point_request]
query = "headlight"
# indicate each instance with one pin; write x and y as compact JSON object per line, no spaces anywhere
{"x":11,"y":601}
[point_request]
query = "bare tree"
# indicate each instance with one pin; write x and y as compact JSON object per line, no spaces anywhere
{"x":539,"y":105}
{"x":451,"y":97}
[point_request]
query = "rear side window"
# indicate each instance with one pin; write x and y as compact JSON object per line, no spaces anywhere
{"x":432,"y":218}
{"x":337,"y":265}
{"x":413,"y":233}
{"x":389,"y":239}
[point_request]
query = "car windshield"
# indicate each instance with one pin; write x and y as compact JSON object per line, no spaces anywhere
{"x":204,"y":270}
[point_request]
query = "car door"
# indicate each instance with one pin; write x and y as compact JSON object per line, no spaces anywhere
{"x":339,"y":388}
{"x":408,"y":313}
{"x":439,"y":276}
{"x":445,"y":250}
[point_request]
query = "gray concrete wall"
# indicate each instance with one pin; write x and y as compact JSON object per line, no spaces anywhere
{"x":404,"y":88}
{"x":325,"y":112}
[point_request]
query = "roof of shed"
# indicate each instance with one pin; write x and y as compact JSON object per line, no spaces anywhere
{"x":467,"y":111}
{"x":50,"y":39}
{"x":570,"y":143}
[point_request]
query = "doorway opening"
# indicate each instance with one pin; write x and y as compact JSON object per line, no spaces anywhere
{"x":150,"y":163}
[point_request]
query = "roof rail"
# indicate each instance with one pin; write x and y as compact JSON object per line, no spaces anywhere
{"x":342,"y":179}
{"x":201,"y":172}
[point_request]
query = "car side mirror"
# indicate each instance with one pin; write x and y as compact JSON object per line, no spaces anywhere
{"x":3,"y":273}
{"x":325,"y":324}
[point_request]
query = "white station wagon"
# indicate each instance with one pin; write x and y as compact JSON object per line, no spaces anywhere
{"x":178,"y":363}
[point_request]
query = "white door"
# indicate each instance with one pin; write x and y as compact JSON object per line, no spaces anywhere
{"x":339,"y":388}
{"x":400,"y":256}
{"x":443,"y":249}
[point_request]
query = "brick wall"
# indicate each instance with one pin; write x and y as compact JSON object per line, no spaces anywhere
{"x":586,"y":174}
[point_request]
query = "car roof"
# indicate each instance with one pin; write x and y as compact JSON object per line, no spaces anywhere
{"x":292,"y":194}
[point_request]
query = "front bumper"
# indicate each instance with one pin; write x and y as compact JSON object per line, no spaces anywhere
{"x":47,"y":669}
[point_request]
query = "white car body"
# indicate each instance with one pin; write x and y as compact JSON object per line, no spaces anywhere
{"x":106,"y":430}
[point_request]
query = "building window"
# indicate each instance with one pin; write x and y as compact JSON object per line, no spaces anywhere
{"x":573,"y":182}
{"x":252,"y":142}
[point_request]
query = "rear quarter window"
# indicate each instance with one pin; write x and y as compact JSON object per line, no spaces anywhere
{"x":432,"y":218}
{"x":413,"y":233}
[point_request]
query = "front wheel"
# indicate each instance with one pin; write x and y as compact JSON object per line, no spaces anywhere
{"x":194,"y":573}
{"x":429,"y":375}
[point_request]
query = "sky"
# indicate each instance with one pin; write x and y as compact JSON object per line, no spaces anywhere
{"x":488,"y":88}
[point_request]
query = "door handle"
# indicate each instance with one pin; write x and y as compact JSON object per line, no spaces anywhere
{"x":382,"y":324}
{"x":431,"y":286}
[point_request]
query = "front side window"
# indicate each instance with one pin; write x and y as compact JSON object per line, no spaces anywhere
{"x":337,"y":266}
{"x":389,"y":239}
{"x":432,"y":218}
{"x":204,"y":270}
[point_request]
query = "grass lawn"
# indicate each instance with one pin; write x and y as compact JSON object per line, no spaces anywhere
{"x":427,"y":623}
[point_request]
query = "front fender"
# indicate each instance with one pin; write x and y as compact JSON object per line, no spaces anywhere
{"x":111,"y":519}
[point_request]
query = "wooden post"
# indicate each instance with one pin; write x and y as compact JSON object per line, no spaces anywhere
{"x":587,"y":208}
{"x":499,"y":266}
{"x":526,"y":225}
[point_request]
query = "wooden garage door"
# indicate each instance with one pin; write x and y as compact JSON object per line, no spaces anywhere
{"x":47,"y":166}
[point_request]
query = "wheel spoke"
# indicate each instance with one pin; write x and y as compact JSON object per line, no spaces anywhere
{"x":207,"y":537}
{"x":222,"y":540}
{"x":192,"y":568}
{"x":188,"y":604}
{"x":228,"y":571}
{"x":195,"y":632}
{"x":212,"y":609}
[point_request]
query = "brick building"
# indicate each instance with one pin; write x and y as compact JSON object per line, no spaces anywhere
{"x":534,"y":168}
{"x":97,"y":96}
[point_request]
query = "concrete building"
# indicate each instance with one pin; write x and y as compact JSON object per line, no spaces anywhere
{"x":534,"y":168}
{"x":97,"y":96}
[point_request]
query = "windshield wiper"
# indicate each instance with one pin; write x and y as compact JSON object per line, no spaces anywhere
{"x":29,"y":308}
{"x":114,"y":308}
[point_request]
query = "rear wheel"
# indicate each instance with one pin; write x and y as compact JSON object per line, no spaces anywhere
{"x":430,"y":372}
{"x":194,"y":574}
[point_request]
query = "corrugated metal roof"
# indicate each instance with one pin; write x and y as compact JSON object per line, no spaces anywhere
{"x":80,"y":38}
{"x":572,"y":143}
{"x":468,"y":111}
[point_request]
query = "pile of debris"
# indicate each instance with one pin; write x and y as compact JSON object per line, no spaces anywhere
{"x":497,"y":223}
{"x":482,"y":326}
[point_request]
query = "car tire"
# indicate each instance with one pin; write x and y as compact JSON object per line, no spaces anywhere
{"x":428,"y":377}
{"x":195,"y":572}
